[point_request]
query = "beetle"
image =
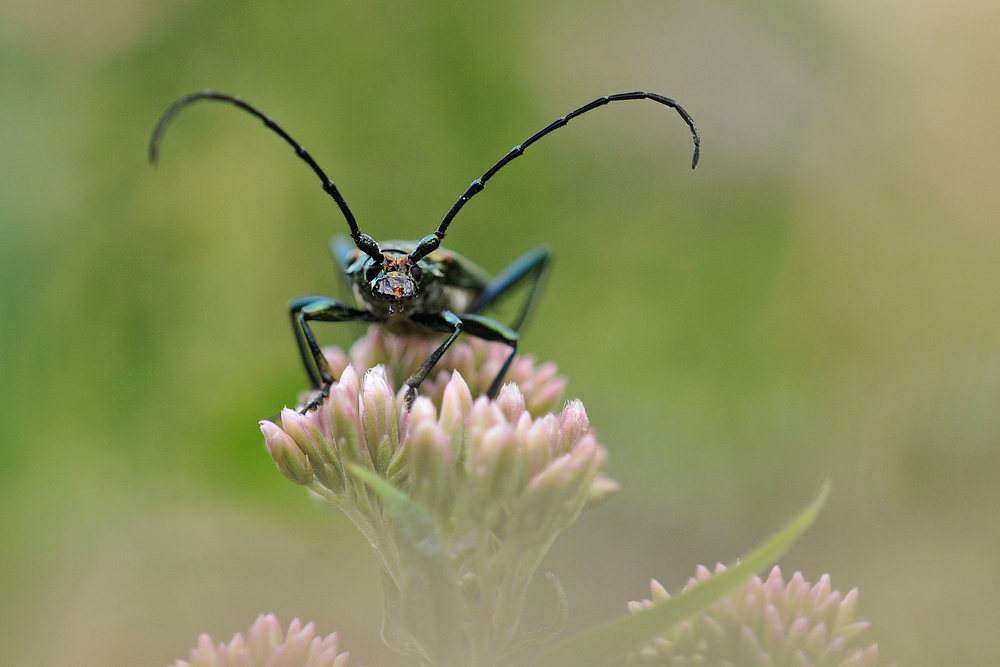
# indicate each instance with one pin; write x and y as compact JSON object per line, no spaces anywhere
{"x":415,"y":286}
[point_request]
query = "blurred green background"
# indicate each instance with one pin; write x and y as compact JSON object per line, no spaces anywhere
{"x":821,"y":297}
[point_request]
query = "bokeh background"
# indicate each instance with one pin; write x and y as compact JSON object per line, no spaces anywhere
{"x":821,"y":297}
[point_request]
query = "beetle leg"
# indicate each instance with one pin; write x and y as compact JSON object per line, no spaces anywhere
{"x":322,"y":309}
{"x":445,"y":322}
{"x":495,"y":332}
{"x":531,"y":264}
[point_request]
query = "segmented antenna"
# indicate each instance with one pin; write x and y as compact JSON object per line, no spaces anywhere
{"x":430,"y":242}
{"x":364,"y":242}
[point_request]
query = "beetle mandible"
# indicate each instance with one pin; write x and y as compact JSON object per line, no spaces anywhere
{"x":415,"y":286}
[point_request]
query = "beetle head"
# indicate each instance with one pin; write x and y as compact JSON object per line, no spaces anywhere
{"x":396,"y":278}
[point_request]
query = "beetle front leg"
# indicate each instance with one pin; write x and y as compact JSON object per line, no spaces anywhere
{"x":322,"y":309}
{"x":445,"y":322}
{"x":496,"y":332}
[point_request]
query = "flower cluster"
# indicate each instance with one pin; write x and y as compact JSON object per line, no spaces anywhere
{"x":265,"y":646}
{"x":476,"y":360}
{"x":469,"y":494}
{"x":764,"y":623}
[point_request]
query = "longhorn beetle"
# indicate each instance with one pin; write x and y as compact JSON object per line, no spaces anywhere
{"x":415,"y":286}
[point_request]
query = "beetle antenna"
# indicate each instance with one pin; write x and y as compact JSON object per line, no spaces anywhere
{"x":364,"y":242}
{"x":429,"y":243}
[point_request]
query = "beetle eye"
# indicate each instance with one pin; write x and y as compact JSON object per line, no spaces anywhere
{"x":416,"y":272}
{"x":371,"y":271}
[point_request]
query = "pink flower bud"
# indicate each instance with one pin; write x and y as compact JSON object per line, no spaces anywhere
{"x":483,"y":416}
{"x":266,"y":647}
{"x":349,"y":382}
{"x":296,"y":647}
{"x":306,"y":435}
{"x":325,"y":460}
{"x":431,"y":465}
{"x":337,"y":360}
{"x":492,"y":466}
{"x":542,"y":498}
{"x":291,"y":461}
{"x":456,"y":404}
{"x":422,"y":411}
{"x":368,"y":352}
{"x":378,"y":418}
{"x":657,"y":591}
{"x":573,"y":424}
{"x":820,"y":591}
{"x":538,"y":444}
{"x":511,"y":402}
{"x":798,"y":630}
{"x":797,"y":596}
{"x":552,"y":500}
{"x":464,"y":361}
{"x":264,"y":636}
{"x":772,"y":629}
{"x":346,"y":424}
{"x":601,"y":489}
{"x":547,"y":396}
{"x":846,"y":612}
{"x":816,"y":639}
{"x":856,"y":659}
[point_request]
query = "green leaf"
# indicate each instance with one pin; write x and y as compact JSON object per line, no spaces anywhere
{"x":603,"y":644}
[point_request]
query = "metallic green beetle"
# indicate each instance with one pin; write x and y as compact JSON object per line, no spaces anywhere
{"x":415,"y":286}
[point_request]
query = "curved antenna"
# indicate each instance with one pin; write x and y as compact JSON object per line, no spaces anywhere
{"x":364,"y":242}
{"x":429,"y":243}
